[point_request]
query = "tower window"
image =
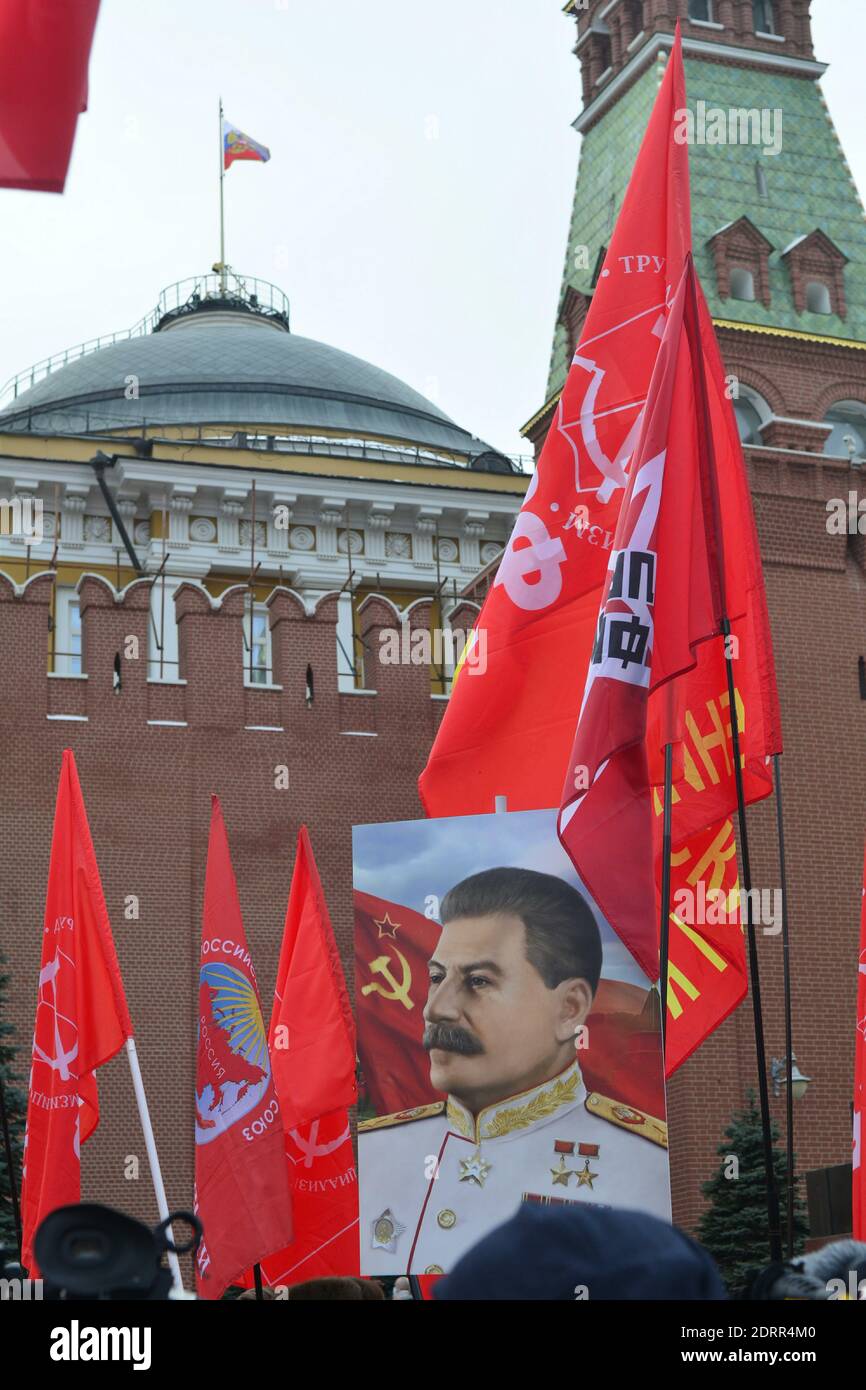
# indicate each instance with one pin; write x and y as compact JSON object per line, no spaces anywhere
{"x":635,"y":15}
{"x":701,"y":10}
{"x":818,"y":298}
{"x":604,"y":51}
{"x":765,"y":16}
{"x":742,"y":283}
{"x":848,"y":439}
{"x":761,"y":180}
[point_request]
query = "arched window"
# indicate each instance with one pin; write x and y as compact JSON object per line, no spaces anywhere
{"x":764,"y":12}
{"x":701,"y":9}
{"x":752,"y":412}
{"x":742,"y":283}
{"x":818,"y":299}
{"x":635,"y":14}
{"x":848,"y":439}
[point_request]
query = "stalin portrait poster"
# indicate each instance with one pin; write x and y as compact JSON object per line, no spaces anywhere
{"x":510,"y":1046}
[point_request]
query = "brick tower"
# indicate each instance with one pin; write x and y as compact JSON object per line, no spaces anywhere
{"x":780,"y":247}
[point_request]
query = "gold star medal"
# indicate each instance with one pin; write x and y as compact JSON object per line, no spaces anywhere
{"x":474,"y":1169}
{"x":584,"y":1177}
{"x":561,"y":1174}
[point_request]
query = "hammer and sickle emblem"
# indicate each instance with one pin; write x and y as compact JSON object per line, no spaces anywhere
{"x":382,"y":966}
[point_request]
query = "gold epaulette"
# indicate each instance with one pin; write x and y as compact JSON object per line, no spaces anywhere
{"x":627,"y":1117}
{"x":402,"y":1117}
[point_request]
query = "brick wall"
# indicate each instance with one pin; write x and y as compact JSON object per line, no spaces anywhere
{"x":147,"y":787}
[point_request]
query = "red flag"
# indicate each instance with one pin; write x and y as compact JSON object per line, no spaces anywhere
{"x":510,"y":728}
{"x":241,"y":1188}
{"x":324,"y":1186}
{"x":659,"y":604}
{"x":393,"y":944}
{"x":860,"y":1082}
{"x":312,"y":1032}
{"x":44,"y":53}
{"x":312,"y":1042}
{"x":674,"y":574}
{"x":81,"y":1015}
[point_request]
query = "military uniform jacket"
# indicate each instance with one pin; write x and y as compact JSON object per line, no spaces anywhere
{"x":435,"y":1179}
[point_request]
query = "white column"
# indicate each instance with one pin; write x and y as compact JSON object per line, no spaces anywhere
{"x":281,"y":511}
{"x":179,"y":509}
{"x":72,"y":518}
{"x":127,"y":506}
{"x":326,"y":531}
{"x":375,"y":527}
{"x":229,"y":524}
{"x":470,"y":547}
{"x":425,"y":528}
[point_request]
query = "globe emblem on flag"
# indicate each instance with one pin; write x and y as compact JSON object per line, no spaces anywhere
{"x":234,"y":1069}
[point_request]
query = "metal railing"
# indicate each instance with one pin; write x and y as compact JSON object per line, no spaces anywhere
{"x":187,"y":296}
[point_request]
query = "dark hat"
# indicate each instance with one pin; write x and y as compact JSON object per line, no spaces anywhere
{"x":583,"y":1252}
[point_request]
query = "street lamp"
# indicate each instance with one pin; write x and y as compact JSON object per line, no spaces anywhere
{"x":779,"y":1073}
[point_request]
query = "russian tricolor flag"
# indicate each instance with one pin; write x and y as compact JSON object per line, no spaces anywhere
{"x":237,"y":145}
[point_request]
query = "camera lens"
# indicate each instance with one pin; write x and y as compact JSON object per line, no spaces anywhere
{"x":85,"y":1248}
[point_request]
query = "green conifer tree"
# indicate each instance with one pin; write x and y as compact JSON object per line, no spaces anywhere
{"x":16,"y":1116}
{"x":734,"y":1227}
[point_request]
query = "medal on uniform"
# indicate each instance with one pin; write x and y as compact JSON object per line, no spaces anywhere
{"x":584,"y":1177}
{"x":387,"y":1231}
{"x":474,"y":1169}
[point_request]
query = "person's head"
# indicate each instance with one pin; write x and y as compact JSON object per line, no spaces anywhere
{"x":511,"y":981}
{"x":582,"y":1252}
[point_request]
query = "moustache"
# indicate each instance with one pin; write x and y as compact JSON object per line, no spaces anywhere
{"x":446,"y":1038}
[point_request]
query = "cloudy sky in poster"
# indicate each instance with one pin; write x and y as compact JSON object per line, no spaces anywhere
{"x":408,"y":861}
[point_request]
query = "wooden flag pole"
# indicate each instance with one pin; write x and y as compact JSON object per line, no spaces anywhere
{"x":11,"y":1170}
{"x":789,"y":1042}
{"x":708,"y":461}
{"x":152,"y":1157}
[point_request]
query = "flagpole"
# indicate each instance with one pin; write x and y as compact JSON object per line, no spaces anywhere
{"x":222,"y":211}
{"x":10,"y":1167}
{"x":789,"y":1042}
{"x":152,"y":1156}
{"x":707,"y":455}
{"x":665,"y":925}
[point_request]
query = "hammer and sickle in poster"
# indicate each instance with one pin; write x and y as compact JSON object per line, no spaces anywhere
{"x":399,"y":990}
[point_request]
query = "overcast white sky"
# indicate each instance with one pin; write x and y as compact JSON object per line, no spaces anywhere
{"x":415,"y":206}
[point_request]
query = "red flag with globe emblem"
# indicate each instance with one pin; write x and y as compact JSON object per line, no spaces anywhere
{"x":241,"y":1188}
{"x":81,"y":1016}
{"x":859,"y":1174}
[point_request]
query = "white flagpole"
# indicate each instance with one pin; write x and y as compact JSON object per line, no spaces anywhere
{"x":152,"y":1157}
{"x":222,"y":210}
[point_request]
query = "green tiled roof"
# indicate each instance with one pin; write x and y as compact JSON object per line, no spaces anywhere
{"x":809,"y":185}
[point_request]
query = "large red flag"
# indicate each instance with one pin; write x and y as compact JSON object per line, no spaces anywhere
{"x":661,"y":601}
{"x":241,"y":1189}
{"x":859,"y":1195}
{"x":312,"y":1032}
{"x":678,"y":569}
{"x":511,"y":727}
{"x":81,"y":1015}
{"x":44,"y":53}
{"x":312,"y":1042}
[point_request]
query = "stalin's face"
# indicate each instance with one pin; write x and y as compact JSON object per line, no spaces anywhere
{"x":494,"y":1028}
